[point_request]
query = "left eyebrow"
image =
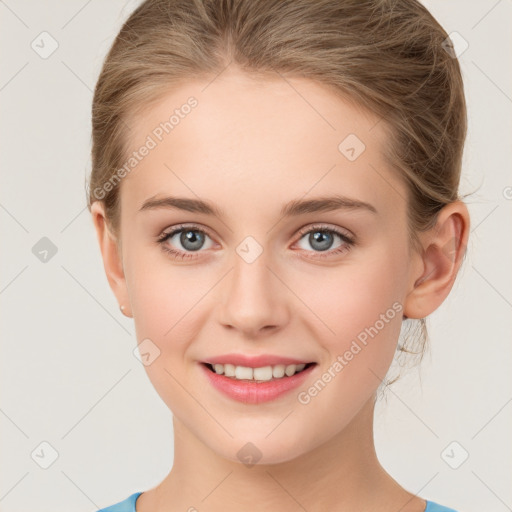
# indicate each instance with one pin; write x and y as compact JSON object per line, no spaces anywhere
{"x":293,"y":208}
{"x":325,"y":204}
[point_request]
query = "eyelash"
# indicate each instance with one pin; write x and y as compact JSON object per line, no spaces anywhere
{"x":349,"y":241}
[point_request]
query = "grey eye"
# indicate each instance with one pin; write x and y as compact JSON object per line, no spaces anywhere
{"x":190,"y":239}
{"x":320,"y":240}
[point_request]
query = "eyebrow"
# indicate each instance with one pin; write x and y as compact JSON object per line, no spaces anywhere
{"x":293,"y":208}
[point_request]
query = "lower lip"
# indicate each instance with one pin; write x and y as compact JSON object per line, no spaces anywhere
{"x":256,"y":392}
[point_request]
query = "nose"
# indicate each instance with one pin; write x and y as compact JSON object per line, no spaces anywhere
{"x":253,"y":299}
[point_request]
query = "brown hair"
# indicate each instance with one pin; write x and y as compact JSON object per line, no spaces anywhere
{"x":388,"y":56}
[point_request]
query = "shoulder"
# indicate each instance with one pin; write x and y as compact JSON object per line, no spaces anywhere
{"x":435,"y":507}
{"x":127,"y":505}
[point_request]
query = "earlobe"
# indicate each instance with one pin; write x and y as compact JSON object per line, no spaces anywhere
{"x":444,"y":247}
{"x":111,"y":255}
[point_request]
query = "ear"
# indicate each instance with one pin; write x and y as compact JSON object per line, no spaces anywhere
{"x":444,"y":247}
{"x":111,"y":254}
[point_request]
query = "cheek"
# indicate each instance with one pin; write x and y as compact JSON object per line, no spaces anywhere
{"x":359,"y":303}
{"x":169,"y":308}
{"x":361,"y":312}
{"x":165,"y":304}
{"x":160,"y":292}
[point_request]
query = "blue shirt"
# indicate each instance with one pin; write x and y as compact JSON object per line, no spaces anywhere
{"x":128,"y":505}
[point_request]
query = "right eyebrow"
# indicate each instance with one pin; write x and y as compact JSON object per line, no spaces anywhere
{"x":182,"y":203}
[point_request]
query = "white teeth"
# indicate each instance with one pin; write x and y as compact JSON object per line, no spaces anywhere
{"x":290,"y":370}
{"x":229,"y":370}
{"x":264,"y":373}
{"x":242,"y":372}
{"x":278,"y":371}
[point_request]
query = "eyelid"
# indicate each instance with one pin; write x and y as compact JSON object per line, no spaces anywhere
{"x":320,"y":226}
{"x":182,"y":227}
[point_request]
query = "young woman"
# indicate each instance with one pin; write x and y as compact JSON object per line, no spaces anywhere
{"x":275,"y":194}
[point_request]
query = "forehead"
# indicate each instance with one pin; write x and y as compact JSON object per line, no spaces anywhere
{"x":252,"y":138}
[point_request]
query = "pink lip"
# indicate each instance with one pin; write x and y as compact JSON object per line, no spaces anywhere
{"x":254,"y":361}
{"x":253,"y":392}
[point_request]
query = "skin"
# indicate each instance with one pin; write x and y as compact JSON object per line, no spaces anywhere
{"x":249,"y":147}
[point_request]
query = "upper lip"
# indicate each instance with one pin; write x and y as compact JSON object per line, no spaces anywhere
{"x":254,"y":361}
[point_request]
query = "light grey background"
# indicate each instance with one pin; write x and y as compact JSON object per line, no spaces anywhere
{"x":68,"y":373}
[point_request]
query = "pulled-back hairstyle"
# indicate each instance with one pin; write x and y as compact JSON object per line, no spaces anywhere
{"x":388,"y":56}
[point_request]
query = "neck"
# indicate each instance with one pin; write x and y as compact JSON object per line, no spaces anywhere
{"x":342,"y":474}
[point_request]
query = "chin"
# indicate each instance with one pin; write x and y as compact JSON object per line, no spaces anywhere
{"x":259,"y":450}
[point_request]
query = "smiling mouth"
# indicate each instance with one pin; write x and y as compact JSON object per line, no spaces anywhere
{"x":261,"y":374}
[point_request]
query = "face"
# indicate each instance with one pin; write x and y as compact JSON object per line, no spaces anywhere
{"x":311,"y":285}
